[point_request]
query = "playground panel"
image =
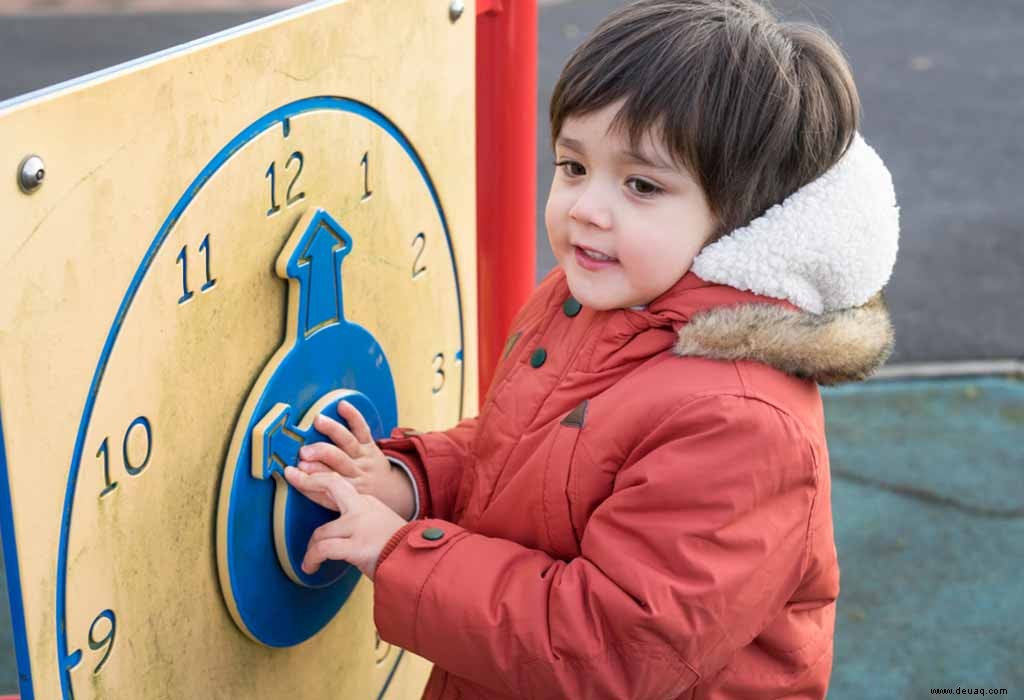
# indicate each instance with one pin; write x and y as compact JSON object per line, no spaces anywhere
{"x":229,"y":238}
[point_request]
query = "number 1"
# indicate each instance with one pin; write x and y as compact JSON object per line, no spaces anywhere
{"x":365,"y":162}
{"x":106,"y":469}
{"x":204,"y":247}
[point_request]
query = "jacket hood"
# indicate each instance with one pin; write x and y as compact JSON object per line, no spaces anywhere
{"x":817,"y":263}
{"x":830,"y":245}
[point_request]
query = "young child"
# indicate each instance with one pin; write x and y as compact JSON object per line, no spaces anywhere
{"x":642,"y":508}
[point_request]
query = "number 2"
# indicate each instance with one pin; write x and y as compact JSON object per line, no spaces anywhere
{"x":417,"y":271}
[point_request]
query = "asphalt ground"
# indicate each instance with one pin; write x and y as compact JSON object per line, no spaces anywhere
{"x":928,"y":477}
{"x":942,"y":86}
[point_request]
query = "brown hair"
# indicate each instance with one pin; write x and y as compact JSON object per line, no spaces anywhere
{"x":753,"y":107}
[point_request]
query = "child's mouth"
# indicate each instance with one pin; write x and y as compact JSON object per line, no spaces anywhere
{"x":587,"y":262}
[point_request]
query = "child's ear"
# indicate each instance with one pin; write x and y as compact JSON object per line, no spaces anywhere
{"x":716,"y":233}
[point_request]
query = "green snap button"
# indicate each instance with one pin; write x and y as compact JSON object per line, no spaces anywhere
{"x":571,"y":307}
{"x":538,"y":357}
{"x":433,"y":533}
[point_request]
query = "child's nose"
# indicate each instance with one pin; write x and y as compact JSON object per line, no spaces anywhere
{"x":592,"y":207}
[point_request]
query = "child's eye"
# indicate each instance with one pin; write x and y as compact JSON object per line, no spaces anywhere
{"x":571,"y":168}
{"x":643,"y":188}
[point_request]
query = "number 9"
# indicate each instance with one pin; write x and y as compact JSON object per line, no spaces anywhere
{"x":108,"y":641}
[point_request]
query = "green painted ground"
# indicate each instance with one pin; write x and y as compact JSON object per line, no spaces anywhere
{"x":928,"y":500}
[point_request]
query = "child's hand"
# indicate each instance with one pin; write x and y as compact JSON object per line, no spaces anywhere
{"x":360,"y":532}
{"x":356,"y":456}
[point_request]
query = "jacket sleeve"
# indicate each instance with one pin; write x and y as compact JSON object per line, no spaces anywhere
{"x":700,"y":545}
{"x":436,"y":461}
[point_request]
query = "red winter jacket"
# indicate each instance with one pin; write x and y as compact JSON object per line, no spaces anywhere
{"x":640,"y":511}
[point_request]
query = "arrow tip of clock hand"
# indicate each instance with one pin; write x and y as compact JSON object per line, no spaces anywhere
{"x":272,"y":444}
{"x":321,"y":235}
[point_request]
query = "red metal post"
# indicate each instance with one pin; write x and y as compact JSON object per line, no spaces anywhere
{"x":506,"y":157}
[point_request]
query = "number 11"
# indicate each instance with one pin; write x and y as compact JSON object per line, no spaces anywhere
{"x":186,"y":293}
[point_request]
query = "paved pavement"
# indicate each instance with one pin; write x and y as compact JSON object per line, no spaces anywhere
{"x":929,"y":522}
{"x":942,"y":85}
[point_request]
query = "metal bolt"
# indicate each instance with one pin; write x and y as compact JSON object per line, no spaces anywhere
{"x":31,"y":173}
{"x":455,"y":10}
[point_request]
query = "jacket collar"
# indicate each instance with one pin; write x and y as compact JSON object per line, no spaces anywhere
{"x":720,"y":322}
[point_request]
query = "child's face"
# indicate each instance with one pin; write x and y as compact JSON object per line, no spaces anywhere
{"x":641,"y":209}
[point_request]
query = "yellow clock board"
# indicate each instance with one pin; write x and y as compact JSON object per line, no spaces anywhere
{"x":226,"y":239}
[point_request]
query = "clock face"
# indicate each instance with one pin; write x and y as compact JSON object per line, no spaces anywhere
{"x":309,"y":262}
{"x":231,"y":237}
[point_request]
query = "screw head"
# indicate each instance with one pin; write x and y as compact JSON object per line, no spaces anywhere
{"x":31,"y":172}
{"x":455,"y":10}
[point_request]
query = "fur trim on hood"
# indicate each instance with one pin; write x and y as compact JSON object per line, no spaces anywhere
{"x":831,"y":348}
{"x":830,"y":245}
{"x":829,"y":249}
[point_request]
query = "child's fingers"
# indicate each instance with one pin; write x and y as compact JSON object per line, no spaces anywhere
{"x":338,"y":434}
{"x":294,"y":477}
{"x":337,"y":487}
{"x":329,"y":455}
{"x":338,"y":528}
{"x":313,"y":467}
{"x":335,"y":549}
{"x":356,"y":422}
